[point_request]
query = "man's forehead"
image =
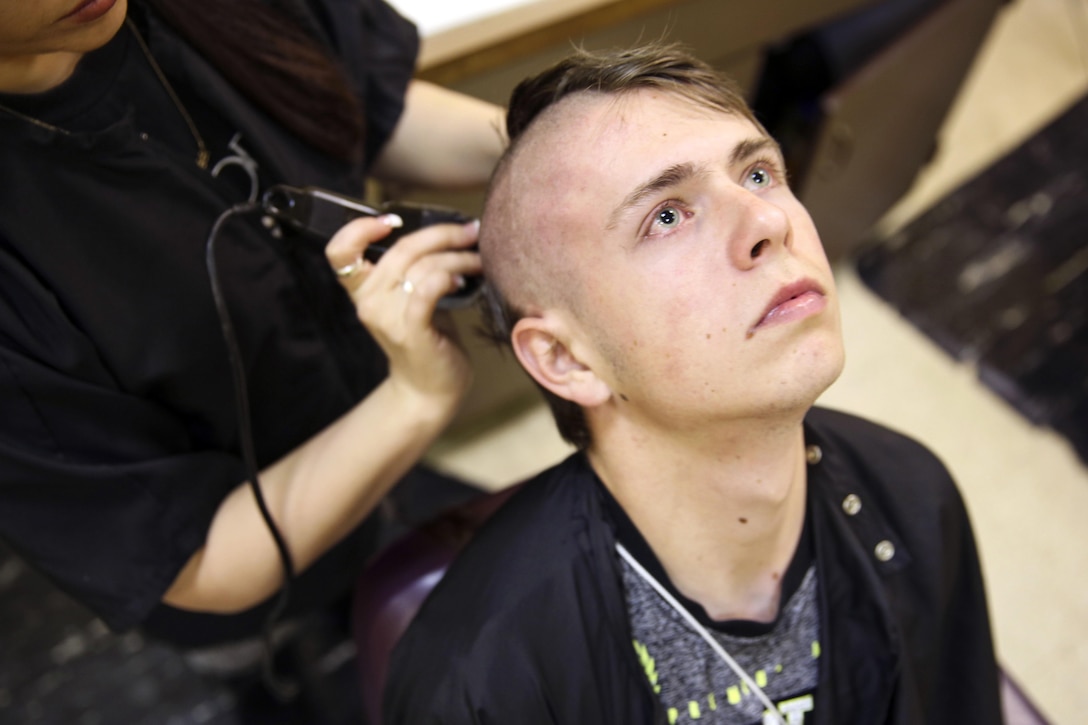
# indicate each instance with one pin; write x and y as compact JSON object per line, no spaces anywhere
{"x":590,"y":112}
{"x":590,"y":140}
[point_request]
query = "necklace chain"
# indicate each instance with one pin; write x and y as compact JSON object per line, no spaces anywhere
{"x":202,"y":155}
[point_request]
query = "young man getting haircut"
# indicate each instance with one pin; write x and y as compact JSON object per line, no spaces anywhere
{"x":717,"y":550}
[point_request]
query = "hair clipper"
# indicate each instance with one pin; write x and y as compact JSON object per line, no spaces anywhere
{"x":322,"y":213}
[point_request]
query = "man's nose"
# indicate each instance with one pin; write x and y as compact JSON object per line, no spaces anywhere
{"x":761,"y":229}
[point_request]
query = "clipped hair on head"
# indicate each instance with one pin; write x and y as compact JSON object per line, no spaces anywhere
{"x":665,"y":67}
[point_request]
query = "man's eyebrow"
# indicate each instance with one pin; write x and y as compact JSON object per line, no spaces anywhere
{"x":750,"y":147}
{"x":681,"y":173}
{"x":672,"y":176}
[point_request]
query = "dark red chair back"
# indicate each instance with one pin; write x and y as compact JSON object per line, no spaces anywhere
{"x":393,"y":586}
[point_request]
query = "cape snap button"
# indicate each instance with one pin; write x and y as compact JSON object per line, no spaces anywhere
{"x":885,"y":550}
{"x":851,"y":505}
{"x":813,"y":455}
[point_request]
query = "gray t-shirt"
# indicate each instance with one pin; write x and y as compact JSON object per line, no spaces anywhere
{"x":696,"y":685}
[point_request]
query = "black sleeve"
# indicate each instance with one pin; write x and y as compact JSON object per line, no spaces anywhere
{"x":496,"y":683}
{"x":378,"y":47}
{"x":88,"y":468}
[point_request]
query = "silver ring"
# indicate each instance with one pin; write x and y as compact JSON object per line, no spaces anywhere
{"x":349,"y":269}
{"x":408,"y":287}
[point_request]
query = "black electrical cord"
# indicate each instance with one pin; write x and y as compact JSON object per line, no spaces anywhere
{"x":283,"y":688}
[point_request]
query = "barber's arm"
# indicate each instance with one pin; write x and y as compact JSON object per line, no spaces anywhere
{"x":444,"y":139}
{"x":324,"y":488}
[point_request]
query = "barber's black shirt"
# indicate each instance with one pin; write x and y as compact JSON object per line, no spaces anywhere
{"x":118,"y":437}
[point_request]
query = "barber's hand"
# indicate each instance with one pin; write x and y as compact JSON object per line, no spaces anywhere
{"x":396,"y":297}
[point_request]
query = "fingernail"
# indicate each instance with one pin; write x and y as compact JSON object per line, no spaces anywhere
{"x":473,"y":226}
{"x":391,"y":220}
{"x":459,"y":281}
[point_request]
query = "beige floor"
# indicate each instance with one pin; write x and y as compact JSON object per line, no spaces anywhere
{"x":1027,"y":492}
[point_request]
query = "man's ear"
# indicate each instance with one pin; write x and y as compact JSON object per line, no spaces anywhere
{"x":543,"y":347}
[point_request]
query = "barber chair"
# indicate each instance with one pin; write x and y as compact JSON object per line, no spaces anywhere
{"x":392,"y":588}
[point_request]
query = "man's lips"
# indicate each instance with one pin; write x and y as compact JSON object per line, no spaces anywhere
{"x":793,"y":302}
{"x":90,"y":10}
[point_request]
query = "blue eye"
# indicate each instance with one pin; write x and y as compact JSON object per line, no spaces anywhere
{"x":760,"y":176}
{"x":668,"y":217}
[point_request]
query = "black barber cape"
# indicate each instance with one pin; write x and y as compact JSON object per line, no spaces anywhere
{"x":529,"y":625}
{"x":118,"y":435}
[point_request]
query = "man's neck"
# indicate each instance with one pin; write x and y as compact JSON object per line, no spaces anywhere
{"x":723,"y":514}
{"x":36,"y":73}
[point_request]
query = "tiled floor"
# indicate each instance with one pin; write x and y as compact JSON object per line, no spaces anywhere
{"x":1027,"y":492}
